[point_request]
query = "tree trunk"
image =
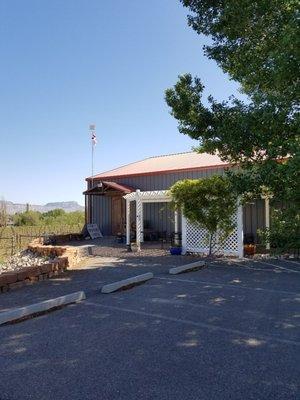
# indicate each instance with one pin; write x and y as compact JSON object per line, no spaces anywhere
{"x":210,"y":243}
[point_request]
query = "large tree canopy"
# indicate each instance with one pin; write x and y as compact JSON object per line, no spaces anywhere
{"x":257,"y":44}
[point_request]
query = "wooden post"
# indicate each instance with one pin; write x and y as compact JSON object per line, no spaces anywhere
{"x":12,"y":245}
{"x":91,"y":209}
{"x":85,"y":210}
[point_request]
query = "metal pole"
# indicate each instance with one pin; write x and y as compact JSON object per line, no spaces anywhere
{"x":92,"y":164}
{"x":93,"y":143}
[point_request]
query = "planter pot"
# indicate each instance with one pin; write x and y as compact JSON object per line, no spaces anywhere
{"x":249,"y":249}
{"x":176,"y":251}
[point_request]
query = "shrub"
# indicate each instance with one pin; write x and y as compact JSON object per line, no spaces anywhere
{"x":284,"y":232}
{"x":209,"y":202}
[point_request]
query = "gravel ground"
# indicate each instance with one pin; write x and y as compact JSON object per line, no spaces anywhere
{"x":151,"y":254}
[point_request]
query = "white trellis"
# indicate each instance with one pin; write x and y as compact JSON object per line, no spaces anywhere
{"x":153,"y":196}
{"x":195,"y":238}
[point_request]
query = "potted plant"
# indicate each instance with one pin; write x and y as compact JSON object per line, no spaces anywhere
{"x":176,"y":250}
{"x":249,"y":245}
{"x":249,"y":249}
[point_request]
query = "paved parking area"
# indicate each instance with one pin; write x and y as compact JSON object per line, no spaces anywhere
{"x":229,"y":331}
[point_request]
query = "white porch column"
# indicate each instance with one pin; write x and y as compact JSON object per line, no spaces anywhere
{"x":240,"y":231}
{"x":267,"y":216}
{"x":184,"y":239}
{"x":176,"y":221}
{"x":138,"y":219}
{"x":176,"y":227}
{"x":142,"y":222}
{"x":127,"y":222}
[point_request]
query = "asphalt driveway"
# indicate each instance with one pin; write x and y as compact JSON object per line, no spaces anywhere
{"x":229,"y":331}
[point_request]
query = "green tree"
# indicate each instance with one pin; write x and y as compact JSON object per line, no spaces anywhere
{"x":50,"y":218}
{"x":58,"y":212}
{"x":209,"y":202}
{"x":257,"y":43}
{"x":60,"y":217}
{"x":76,"y":218}
{"x":262,"y":141}
{"x":28,"y":218}
{"x":3,"y":213}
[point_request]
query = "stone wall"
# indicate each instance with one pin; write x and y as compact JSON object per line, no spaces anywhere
{"x":29,"y":275}
{"x":62,"y":257}
{"x":71,"y":253}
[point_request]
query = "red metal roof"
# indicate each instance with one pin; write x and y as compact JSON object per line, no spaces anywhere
{"x":162,"y":164}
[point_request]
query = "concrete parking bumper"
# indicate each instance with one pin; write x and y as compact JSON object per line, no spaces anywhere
{"x":186,"y":268}
{"x":126,"y":283}
{"x":38,"y":308}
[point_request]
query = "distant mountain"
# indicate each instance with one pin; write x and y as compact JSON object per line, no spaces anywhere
{"x":68,"y":206}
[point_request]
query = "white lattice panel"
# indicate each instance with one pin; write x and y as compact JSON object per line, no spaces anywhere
{"x":139,"y":219}
{"x":197,"y":239}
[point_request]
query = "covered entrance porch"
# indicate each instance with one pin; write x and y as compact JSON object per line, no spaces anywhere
{"x":114,"y":192}
{"x":140,"y":199}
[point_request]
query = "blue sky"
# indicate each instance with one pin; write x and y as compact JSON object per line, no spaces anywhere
{"x":68,"y":63}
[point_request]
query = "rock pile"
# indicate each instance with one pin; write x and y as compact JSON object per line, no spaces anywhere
{"x":22,"y":260}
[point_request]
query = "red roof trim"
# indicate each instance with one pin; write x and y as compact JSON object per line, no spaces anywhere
{"x":98,"y":190}
{"x":221,"y":166}
{"x":119,"y":187}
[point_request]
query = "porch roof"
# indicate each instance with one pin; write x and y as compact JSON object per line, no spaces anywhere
{"x":108,"y":187}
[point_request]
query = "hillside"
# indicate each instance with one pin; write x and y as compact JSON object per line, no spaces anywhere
{"x":68,"y":206}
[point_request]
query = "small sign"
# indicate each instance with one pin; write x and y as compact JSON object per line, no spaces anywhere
{"x":94,"y":231}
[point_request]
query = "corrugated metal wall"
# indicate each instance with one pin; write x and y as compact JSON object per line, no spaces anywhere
{"x":159,"y":216}
{"x":101,"y":213}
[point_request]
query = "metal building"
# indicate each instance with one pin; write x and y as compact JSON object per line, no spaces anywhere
{"x":105,"y":204}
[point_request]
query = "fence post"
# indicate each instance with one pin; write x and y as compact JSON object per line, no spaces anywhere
{"x":12,"y":245}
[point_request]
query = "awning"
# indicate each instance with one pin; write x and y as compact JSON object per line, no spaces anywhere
{"x":109,"y":188}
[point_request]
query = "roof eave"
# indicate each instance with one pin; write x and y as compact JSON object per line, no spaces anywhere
{"x":205,"y":168}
